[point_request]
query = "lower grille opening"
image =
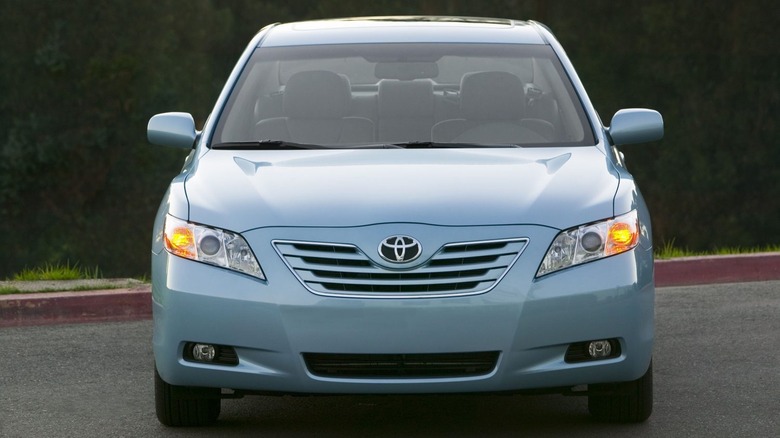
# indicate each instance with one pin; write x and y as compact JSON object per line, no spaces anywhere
{"x":401,"y":365}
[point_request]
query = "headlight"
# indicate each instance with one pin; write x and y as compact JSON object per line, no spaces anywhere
{"x":591,"y":242}
{"x":210,"y":245}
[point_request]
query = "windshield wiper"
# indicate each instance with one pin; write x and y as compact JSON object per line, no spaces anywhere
{"x":277,"y":145}
{"x":266,"y":145}
{"x":280,"y":145}
{"x":441,"y":145}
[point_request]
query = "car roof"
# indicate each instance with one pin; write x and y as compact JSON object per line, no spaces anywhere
{"x":403,"y":29}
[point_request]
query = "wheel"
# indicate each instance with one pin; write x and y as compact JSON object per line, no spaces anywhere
{"x":185,"y":405}
{"x":625,"y":402}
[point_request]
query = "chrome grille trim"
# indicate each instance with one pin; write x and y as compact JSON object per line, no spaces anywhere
{"x":456,"y":269}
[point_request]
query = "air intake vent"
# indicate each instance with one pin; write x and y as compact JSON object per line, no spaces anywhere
{"x":402,"y":366}
{"x":344,"y":270}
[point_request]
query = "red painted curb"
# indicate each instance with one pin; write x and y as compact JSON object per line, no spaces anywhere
{"x":136,"y":303}
{"x":67,"y":307}
{"x":717,"y":269}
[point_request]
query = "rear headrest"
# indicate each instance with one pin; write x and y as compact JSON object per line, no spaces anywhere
{"x":316,"y":94}
{"x":406,"y":71}
{"x":405,"y":99}
{"x":494,"y":95}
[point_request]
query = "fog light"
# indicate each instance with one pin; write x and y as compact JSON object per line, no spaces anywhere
{"x":203,"y":352}
{"x":588,"y":351}
{"x":599,"y":349}
{"x":213,"y":354}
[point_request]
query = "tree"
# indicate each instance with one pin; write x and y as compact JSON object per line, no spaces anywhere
{"x":78,"y":180}
{"x":79,"y":81}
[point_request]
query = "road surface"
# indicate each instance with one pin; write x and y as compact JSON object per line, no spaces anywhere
{"x":717,"y":374}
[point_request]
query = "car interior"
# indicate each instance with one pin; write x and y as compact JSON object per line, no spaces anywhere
{"x":402,"y":102}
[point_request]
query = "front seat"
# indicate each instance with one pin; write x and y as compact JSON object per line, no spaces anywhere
{"x":492,"y":106}
{"x":315,"y":105}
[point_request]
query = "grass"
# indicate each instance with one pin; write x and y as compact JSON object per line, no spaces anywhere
{"x":57,"y":272}
{"x":13,"y":290}
{"x":51,"y":272}
{"x":27,"y":281}
{"x":669,"y":251}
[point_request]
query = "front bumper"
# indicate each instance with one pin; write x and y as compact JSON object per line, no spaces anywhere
{"x":531,"y":323}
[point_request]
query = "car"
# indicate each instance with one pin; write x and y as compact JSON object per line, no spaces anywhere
{"x":403,"y":205}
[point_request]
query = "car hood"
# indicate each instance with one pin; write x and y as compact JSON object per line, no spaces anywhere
{"x":556,"y":187}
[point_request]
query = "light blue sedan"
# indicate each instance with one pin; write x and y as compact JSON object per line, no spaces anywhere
{"x":403,"y":205}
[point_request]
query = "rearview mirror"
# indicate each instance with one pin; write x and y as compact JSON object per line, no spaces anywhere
{"x":636,"y":125}
{"x":172,"y":129}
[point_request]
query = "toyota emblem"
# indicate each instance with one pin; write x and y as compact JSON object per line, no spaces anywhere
{"x":400,"y":249}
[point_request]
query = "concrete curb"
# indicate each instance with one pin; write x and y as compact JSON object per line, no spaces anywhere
{"x":135,"y":303}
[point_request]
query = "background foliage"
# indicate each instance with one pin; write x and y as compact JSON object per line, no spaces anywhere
{"x":80,"y":79}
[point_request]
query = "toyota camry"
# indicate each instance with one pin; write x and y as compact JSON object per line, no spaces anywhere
{"x":403,"y":205}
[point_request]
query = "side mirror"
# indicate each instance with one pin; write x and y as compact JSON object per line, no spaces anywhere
{"x":172,"y":129}
{"x":636,"y":125}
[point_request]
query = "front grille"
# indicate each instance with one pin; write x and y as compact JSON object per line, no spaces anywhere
{"x":401,"y":365}
{"x":454,"y":270}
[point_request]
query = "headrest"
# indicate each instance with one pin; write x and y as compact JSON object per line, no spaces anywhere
{"x":494,"y":95}
{"x":317,"y":94}
{"x":405,"y":99}
{"x":406,"y":71}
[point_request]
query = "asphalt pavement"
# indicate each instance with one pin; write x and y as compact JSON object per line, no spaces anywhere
{"x":715,"y":362}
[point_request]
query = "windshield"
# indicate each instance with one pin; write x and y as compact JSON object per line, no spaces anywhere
{"x":404,"y":94}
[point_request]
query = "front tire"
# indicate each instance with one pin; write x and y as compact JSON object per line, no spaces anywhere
{"x":185,"y":405}
{"x":625,"y":402}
